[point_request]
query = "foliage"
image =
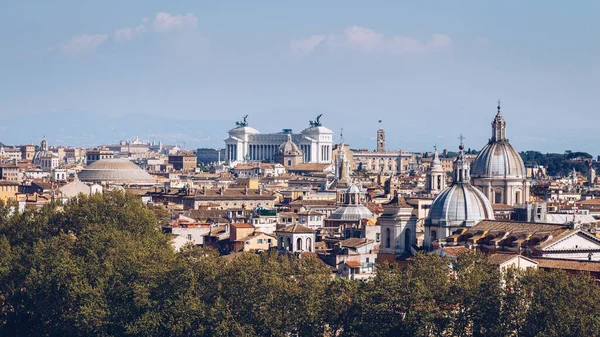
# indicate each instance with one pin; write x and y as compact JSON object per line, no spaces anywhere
{"x":559,"y":164}
{"x":99,"y":265}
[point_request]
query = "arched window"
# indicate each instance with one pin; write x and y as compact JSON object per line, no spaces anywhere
{"x":518,"y":197}
{"x":309,"y":244}
{"x":289,"y":244}
{"x":433,"y":236}
{"x":387,"y":238}
{"x":407,"y":240}
{"x":299,"y":244}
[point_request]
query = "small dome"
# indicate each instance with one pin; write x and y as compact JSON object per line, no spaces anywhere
{"x":351,"y":213}
{"x":116,"y":171}
{"x":460,"y":205}
{"x":289,"y":148}
{"x":353,"y":189}
{"x":498,"y":160}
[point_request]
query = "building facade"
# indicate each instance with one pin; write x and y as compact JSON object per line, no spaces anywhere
{"x":382,"y":161}
{"x":246,"y":144}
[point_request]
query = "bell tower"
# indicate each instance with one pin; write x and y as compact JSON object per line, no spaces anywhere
{"x":380,"y":139}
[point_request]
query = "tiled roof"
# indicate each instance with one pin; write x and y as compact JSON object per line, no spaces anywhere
{"x":455,"y":251}
{"x":498,"y":259}
{"x":353,"y":264}
{"x":590,"y":266}
{"x":309,"y":167}
{"x":296,"y":229}
{"x":355,"y":242}
{"x":502,"y":207}
{"x":241,"y":225}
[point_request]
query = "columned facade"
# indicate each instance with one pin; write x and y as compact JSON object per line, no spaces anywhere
{"x":246,"y":144}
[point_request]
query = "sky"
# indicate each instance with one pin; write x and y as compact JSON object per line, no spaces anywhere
{"x":85,"y":72}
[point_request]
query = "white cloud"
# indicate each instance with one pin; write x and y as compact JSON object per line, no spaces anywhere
{"x":165,"y":22}
{"x":83,"y":43}
{"x":368,"y":41}
{"x":129,"y":33}
{"x":306,"y":46}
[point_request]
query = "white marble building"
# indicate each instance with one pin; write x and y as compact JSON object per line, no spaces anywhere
{"x":246,"y":144}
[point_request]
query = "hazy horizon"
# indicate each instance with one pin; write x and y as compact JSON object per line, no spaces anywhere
{"x":84,"y":73}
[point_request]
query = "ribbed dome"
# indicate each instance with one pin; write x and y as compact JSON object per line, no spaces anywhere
{"x":115,"y":171}
{"x":351,"y":213}
{"x":498,"y":159}
{"x":460,"y":205}
{"x":289,"y":148}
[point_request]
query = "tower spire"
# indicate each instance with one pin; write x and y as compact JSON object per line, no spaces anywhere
{"x":498,"y":127}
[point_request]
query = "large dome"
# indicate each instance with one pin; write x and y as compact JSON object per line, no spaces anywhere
{"x":120,"y":171}
{"x":498,"y":159}
{"x":460,"y":205}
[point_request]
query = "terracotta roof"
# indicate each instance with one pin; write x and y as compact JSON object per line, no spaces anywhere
{"x":455,"y":251}
{"x":502,"y":207}
{"x":232,"y":193}
{"x":589,"y":202}
{"x":547,"y":263}
{"x":498,"y":259}
{"x":353,"y":264}
{"x":296,"y":229}
{"x":398,"y":202}
{"x":241,"y":225}
{"x":355,"y":242}
{"x":309,"y":167}
{"x":314,"y":202}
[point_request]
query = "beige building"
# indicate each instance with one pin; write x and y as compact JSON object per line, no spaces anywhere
{"x":8,"y":190}
{"x":382,"y":160}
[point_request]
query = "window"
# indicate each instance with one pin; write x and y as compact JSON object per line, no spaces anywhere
{"x":269,"y":240}
{"x":260,"y":241}
{"x":247,"y":242}
{"x":189,"y":237}
{"x":387,"y":238}
{"x":377,"y":237}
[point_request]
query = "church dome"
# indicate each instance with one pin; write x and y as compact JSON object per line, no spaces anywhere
{"x":460,"y":205}
{"x":498,"y":159}
{"x":289,"y":148}
{"x":121,"y":171}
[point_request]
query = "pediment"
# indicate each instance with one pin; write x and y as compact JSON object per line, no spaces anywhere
{"x":576,"y":241}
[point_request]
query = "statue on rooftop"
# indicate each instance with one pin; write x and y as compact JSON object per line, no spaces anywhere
{"x":243,"y":122}
{"x":316,"y":122}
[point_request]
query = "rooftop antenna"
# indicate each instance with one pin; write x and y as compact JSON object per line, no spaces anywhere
{"x":342,"y":135}
{"x":461,"y":140}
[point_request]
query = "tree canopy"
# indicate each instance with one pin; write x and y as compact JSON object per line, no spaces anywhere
{"x":100,"y":265}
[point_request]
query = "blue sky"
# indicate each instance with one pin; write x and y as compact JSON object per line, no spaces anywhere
{"x":430,"y":70}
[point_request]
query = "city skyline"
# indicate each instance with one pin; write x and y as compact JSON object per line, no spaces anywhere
{"x":78,"y":72}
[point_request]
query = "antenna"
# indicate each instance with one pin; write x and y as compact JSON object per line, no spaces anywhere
{"x":461,"y":139}
{"x":342,"y":135}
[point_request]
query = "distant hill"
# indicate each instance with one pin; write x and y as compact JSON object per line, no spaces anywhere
{"x":76,"y":128}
